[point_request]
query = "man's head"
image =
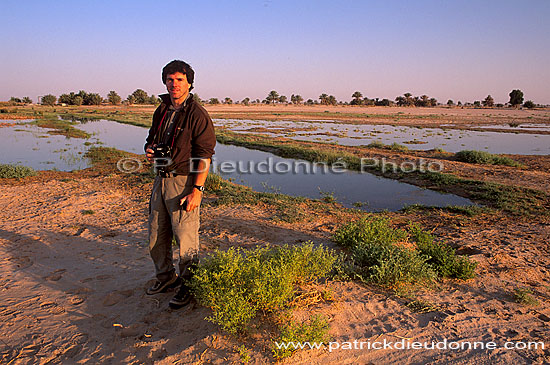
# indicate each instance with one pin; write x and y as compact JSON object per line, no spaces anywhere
{"x":179,"y":66}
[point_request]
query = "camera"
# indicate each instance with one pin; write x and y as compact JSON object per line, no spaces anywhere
{"x":162,"y":150}
{"x":162,"y":157}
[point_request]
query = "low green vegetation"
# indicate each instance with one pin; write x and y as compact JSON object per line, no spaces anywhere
{"x":313,"y":331}
{"x":422,"y":306}
{"x":393,"y":147}
{"x":244,"y":354}
{"x":60,"y":127}
{"x":102,"y":155}
{"x":525,"y":296}
{"x":15,"y":171}
{"x":485,"y":158}
{"x":467,"y":210}
{"x":237,"y":284}
{"x":511,"y":199}
{"x":381,"y":254}
{"x":138,"y":118}
{"x":442,"y":257}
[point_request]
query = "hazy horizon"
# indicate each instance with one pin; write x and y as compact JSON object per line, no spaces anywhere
{"x":447,"y":50}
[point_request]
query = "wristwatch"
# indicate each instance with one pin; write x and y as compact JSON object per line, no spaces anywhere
{"x":199,"y":188}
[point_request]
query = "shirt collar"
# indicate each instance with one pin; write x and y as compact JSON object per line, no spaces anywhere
{"x":183,"y":105}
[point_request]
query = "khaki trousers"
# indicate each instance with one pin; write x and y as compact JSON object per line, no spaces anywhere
{"x":167,"y":220}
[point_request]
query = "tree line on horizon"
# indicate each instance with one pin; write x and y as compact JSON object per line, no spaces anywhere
{"x":141,"y":97}
{"x":84,"y":98}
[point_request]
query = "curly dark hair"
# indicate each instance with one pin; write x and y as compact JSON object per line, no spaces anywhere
{"x":179,"y":66}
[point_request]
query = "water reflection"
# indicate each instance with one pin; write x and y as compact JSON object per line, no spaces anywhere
{"x":372,"y":192}
{"x":33,"y":146}
{"x":452,"y":140}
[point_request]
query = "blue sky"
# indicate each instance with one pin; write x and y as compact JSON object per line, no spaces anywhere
{"x":460,"y":50}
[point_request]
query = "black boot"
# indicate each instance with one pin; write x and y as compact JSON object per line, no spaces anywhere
{"x":182,"y":297}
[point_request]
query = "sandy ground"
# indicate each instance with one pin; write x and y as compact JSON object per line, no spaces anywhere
{"x":72,"y":285}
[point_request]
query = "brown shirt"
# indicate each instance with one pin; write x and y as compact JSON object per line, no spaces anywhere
{"x":193,"y":135}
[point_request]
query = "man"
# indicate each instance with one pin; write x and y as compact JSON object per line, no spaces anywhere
{"x":182,"y":128}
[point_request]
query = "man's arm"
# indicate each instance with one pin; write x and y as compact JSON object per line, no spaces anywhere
{"x":194,"y":198}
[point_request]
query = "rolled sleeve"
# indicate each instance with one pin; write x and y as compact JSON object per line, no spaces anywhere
{"x":204,"y":139}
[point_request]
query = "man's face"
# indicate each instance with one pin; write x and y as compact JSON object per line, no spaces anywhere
{"x":177,"y":85}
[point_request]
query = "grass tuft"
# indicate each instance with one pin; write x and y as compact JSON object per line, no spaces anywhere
{"x":525,"y":296}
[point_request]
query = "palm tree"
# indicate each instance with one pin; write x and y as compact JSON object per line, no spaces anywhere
{"x":408,"y":100}
{"x":324,"y":99}
{"x":357,"y":98}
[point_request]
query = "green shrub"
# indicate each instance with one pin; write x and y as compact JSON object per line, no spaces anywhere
{"x":441,"y":256}
{"x":15,"y":171}
{"x":376,"y":255}
{"x":315,"y":331}
{"x":370,"y":229}
{"x":236,"y":284}
{"x":377,"y":258}
{"x":525,"y":296}
{"x":390,"y":265}
{"x":486,"y":158}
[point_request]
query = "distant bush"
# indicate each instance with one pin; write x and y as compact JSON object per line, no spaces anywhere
{"x":15,"y":171}
{"x":236,"y":284}
{"x":486,"y":158}
{"x":529,"y":104}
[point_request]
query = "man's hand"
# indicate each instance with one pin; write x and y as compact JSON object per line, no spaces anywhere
{"x":193,"y":200}
{"x":150,"y":153}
